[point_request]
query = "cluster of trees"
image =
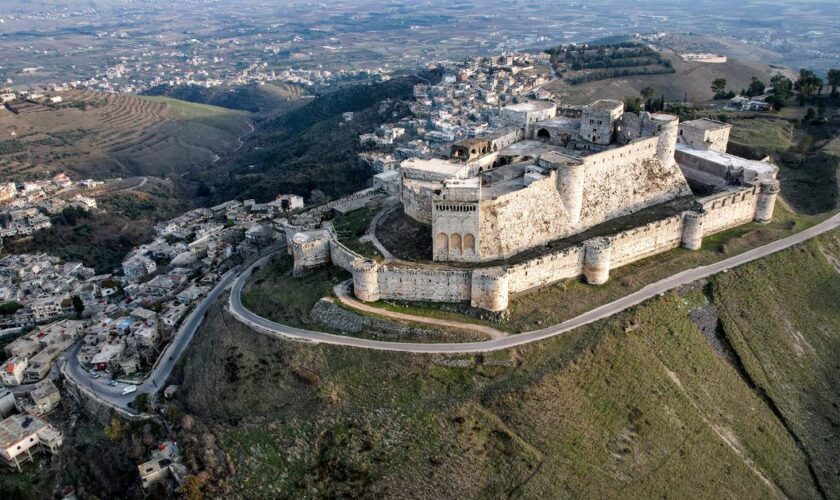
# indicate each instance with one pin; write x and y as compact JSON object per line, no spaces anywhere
{"x":613,"y":61}
{"x":70,"y":216}
{"x":619,"y":73}
{"x":806,"y":86}
{"x":648,"y":102}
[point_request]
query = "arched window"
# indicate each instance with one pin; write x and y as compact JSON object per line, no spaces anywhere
{"x":469,"y":244}
{"x":455,"y":244}
{"x":441,"y":244}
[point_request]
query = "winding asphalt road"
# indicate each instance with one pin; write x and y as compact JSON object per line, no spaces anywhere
{"x":160,"y":373}
{"x":258,"y":322}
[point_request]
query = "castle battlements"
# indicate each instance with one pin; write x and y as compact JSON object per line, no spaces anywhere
{"x":505,"y":205}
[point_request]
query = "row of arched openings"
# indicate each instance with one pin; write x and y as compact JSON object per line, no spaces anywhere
{"x":454,"y":245}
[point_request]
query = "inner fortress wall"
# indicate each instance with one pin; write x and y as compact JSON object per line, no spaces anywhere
{"x":624,"y":180}
{"x":522,"y":219}
{"x":614,"y":183}
{"x":416,"y":198}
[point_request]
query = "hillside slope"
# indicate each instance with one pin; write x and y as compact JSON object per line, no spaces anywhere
{"x":312,"y":147}
{"x":642,"y":405}
{"x":251,"y":97}
{"x":109,"y":135}
{"x":691,"y":80}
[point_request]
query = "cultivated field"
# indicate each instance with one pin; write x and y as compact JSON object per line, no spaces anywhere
{"x":107,"y":135}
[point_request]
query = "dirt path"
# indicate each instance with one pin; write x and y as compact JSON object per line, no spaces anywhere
{"x":343,"y":294}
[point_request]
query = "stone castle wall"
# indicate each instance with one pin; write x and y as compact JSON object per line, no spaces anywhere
{"x":522,"y":219}
{"x":342,"y":256}
{"x":546,"y":270}
{"x":644,"y":241}
{"x":416,"y":198}
{"x":490,"y":288}
{"x":607,"y":185}
{"x":729,"y":209}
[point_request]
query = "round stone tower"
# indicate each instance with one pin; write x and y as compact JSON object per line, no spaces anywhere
{"x":596,"y":260}
{"x":667,"y":129}
{"x":570,"y":185}
{"x":365,"y":280}
{"x":692,"y":230}
{"x":489,"y":289}
{"x":767,"y":192}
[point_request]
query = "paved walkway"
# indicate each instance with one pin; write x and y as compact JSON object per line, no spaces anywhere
{"x":343,"y":293}
{"x":654,"y":289}
{"x":371,"y":230}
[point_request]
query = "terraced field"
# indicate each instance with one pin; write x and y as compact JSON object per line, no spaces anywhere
{"x":107,"y":135}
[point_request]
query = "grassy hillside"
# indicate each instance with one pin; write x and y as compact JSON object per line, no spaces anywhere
{"x":108,"y":135}
{"x":782,"y":317}
{"x":641,"y":405}
{"x":805,"y":153}
{"x":252,"y":97}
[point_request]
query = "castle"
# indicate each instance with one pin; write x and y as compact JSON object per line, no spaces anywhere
{"x":506,"y":210}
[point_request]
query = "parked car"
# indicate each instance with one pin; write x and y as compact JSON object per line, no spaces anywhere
{"x":112,"y":383}
{"x":129,"y":389}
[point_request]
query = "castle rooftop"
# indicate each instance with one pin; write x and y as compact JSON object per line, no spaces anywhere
{"x":437,"y":166}
{"x":604,"y":105}
{"x":706,"y":124}
{"x":530,"y":106}
{"x":731,"y":162}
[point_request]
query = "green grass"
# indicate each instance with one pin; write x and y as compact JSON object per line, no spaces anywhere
{"x":349,"y":228}
{"x":765,"y":136}
{"x":782,"y":317}
{"x":275,"y":294}
{"x":605,"y":410}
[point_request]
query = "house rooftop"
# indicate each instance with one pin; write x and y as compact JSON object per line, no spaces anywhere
{"x":17,"y":427}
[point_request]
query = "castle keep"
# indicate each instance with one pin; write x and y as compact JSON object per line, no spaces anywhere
{"x":513,"y":210}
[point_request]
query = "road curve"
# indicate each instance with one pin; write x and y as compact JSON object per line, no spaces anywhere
{"x":161,"y":371}
{"x":682,"y":278}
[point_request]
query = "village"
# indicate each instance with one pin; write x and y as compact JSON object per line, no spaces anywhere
{"x":465,"y":103}
{"x":26,"y":207}
{"x":115,"y":326}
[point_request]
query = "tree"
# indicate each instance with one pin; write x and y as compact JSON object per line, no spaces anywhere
{"x":756,"y":87}
{"x":810,"y":116}
{"x":718,"y":85}
{"x":834,"y":80}
{"x":632,"y":104}
{"x":78,"y":305}
{"x":782,"y":90}
{"x":809,"y":84}
{"x":648,"y":93}
{"x":9,"y":307}
{"x":116,"y":429}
